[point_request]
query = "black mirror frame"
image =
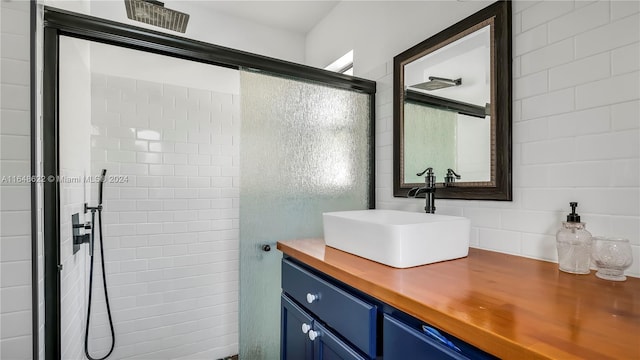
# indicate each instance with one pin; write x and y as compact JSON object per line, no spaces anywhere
{"x":501,"y":12}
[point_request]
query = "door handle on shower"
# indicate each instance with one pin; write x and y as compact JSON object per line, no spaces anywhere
{"x":267,"y":247}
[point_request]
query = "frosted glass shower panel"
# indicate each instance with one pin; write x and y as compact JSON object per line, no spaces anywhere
{"x":305,"y":149}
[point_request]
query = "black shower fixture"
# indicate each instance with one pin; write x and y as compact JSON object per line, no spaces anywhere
{"x":79,"y":239}
{"x":154,"y":13}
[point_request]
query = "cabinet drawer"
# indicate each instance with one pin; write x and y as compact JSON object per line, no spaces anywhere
{"x":404,"y":342}
{"x":348,"y":315}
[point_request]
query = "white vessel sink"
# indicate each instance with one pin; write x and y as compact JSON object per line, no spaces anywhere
{"x":398,"y":238}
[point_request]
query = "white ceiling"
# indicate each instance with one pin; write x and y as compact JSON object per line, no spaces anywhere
{"x":299,"y":16}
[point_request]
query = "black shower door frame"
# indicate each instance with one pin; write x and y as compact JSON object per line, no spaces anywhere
{"x":64,"y":23}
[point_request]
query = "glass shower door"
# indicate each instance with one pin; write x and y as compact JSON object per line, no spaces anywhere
{"x":304,"y":151}
{"x":162,"y":127}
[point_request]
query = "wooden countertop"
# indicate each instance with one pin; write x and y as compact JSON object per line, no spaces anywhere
{"x":509,"y":306}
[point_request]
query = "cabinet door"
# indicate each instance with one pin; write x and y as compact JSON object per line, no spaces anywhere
{"x":401,"y":342}
{"x":351,"y":317}
{"x":328,"y":347}
{"x":294,"y":342}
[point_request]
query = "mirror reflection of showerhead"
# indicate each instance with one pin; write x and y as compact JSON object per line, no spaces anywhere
{"x":436,"y":83}
{"x":103,"y":177}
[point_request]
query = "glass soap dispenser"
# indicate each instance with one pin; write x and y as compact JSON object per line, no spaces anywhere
{"x":574,"y":244}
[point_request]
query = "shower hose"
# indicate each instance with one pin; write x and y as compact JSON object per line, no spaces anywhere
{"x":104,"y":281}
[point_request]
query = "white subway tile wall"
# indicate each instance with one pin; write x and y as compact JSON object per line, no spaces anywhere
{"x":171,"y":229}
{"x":575,"y":130}
{"x":74,"y":276}
{"x":75,"y":164}
{"x":15,"y":196}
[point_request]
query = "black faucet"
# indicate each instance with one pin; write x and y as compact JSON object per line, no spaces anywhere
{"x":450,"y":178}
{"x":429,"y":190}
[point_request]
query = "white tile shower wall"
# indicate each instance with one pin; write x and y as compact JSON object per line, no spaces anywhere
{"x":74,"y":274}
{"x":75,"y":165}
{"x":575,"y":130}
{"x":170,"y":218}
{"x":15,"y":196}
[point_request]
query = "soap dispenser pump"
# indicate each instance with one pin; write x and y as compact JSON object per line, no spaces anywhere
{"x":574,"y":244}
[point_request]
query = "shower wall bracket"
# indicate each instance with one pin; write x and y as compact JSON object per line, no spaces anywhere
{"x":78,"y":238}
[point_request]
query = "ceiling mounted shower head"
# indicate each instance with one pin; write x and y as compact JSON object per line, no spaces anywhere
{"x":154,"y":13}
{"x":436,"y":83}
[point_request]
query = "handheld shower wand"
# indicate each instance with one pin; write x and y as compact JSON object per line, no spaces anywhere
{"x":93,"y":210}
{"x":97,"y":208}
{"x":103,"y":177}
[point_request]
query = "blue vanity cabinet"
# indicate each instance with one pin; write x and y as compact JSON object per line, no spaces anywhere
{"x":323,"y":318}
{"x":343,"y":326}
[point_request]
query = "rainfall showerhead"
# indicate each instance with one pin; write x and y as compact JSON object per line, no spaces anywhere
{"x":154,"y":13}
{"x":436,"y":83}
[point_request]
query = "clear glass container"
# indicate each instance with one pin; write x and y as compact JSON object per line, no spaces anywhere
{"x":612,"y":257}
{"x":574,"y":248}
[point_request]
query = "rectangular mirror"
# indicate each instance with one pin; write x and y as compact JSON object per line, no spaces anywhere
{"x":452,"y":108}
